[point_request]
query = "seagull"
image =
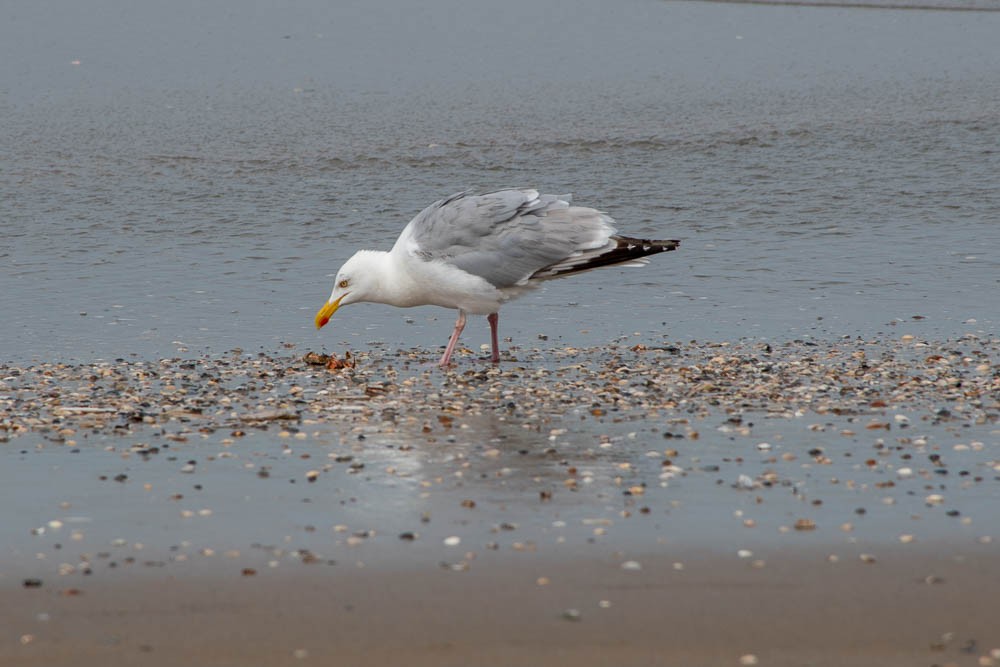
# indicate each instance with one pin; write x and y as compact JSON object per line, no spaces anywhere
{"x":474,"y":252}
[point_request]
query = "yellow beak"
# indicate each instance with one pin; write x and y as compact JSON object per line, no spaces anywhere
{"x":327,"y":311}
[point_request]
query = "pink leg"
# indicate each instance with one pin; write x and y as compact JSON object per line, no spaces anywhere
{"x":459,"y":325}
{"x":494,"y":320}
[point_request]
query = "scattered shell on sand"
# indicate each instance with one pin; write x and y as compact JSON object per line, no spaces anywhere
{"x":892,"y":395}
{"x":697,"y":379}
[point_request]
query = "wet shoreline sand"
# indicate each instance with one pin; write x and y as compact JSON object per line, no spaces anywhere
{"x":650,"y":502}
{"x":913,"y":608}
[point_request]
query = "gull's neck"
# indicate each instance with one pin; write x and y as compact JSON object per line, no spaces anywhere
{"x":388,"y":280}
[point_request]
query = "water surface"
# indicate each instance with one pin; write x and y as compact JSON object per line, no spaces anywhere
{"x":178,"y":180}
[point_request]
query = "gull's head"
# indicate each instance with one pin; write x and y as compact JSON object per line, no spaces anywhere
{"x":356,"y":281}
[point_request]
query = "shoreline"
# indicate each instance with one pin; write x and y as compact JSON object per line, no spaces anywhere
{"x":699,"y":504}
{"x":917,"y":607}
{"x":848,"y":376}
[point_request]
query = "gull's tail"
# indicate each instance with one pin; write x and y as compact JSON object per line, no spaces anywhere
{"x":620,"y":250}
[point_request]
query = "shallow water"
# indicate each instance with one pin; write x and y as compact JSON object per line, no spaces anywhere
{"x":483,"y":484}
{"x":175,"y":181}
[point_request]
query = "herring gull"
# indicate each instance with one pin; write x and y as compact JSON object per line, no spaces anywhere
{"x":475,"y":252}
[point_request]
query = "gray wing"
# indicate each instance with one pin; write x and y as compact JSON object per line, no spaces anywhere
{"x":505,"y":237}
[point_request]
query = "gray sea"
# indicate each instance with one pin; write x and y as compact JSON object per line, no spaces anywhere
{"x":188,"y":177}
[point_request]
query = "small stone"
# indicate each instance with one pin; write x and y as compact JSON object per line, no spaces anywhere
{"x":572,"y":615}
{"x":805,"y":524}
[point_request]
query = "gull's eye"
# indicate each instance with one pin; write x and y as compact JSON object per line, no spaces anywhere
{"x":343,"y":283}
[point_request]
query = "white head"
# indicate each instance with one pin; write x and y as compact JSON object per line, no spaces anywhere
{"x":357,"y":280}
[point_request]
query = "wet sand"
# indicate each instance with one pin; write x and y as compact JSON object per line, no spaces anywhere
{"x":822,"y":503}
{"x":912,"y":608}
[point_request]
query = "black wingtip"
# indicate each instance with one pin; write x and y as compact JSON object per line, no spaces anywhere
{"x":627,"y":249}
{"x":643,"y":247}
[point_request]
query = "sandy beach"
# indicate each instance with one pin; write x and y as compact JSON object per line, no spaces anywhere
{"x":911,"y":607}
{"x":698,"y":504}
